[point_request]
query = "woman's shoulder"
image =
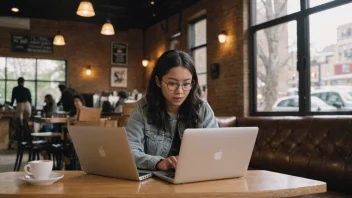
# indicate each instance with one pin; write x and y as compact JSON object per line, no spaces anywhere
{"x":204,"y":106}
{"x":142,"y":103}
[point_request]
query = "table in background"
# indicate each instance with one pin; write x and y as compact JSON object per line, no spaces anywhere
{"x":256,"y":183}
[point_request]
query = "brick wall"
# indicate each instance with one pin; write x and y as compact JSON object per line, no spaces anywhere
{"x":229,"y":94}
{"x":84,"y":46}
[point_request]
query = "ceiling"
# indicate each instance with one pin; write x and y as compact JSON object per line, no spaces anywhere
{"x":124,"y":14}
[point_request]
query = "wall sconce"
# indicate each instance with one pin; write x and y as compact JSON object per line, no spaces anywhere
{"x":85,"y":9}
{"x":222,"y":36}
{"x":88,"y":70}
{"x":15,"y":9}
{"x":145,"y":62}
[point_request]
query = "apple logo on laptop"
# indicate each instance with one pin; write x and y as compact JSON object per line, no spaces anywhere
{"x":218,"y":155}
{"x":102,"y":152}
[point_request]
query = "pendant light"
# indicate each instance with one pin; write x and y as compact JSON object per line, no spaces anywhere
{"x":59,"y":39}
{"x":85,"y":9}
{"x":108,"y":28}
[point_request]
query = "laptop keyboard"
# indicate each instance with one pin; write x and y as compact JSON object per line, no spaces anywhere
{"x":142,"y":174}
{"x":171,"y":175}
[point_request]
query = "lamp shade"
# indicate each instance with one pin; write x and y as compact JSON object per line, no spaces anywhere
{"x":222,"y":36}
{"x":145,"y":62}
{"x":59,"y":40}
{"x":107,"y":28}
{"x":85,"y":9}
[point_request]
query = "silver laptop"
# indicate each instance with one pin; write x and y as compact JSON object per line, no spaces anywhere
{"x":212,"y":153}
{"x":106,"y":152}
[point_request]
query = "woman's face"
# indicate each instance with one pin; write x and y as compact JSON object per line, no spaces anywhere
{"x":78,"y":103}
{"x":170,"y":83}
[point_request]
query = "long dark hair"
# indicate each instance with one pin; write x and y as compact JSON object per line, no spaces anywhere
{"x":188,"y":111}
{"x":50,"y":99}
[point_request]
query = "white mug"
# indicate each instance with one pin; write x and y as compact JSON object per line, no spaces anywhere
{"x":39,"y":169}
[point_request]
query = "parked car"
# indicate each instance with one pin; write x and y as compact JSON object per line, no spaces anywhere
{"x":290,"y":103}
{"x":337,"y":97}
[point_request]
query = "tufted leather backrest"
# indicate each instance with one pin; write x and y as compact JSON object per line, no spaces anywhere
{"x":226,"y":121}
{"x":312,"y":147}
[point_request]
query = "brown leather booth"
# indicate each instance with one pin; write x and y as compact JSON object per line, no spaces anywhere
{"x":318,"y":147}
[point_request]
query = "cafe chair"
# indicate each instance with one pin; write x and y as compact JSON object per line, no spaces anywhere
{"x":25,"y":142}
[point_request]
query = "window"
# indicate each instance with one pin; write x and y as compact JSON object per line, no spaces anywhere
{"x":346,"y":68}
{"x":198,"y":49}
{"x":286,"y":39}
{"x":175,"y":42}
{"x":41,"y":76}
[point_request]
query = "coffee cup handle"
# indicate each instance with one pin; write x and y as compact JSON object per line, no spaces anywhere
{"x":26,"y":169}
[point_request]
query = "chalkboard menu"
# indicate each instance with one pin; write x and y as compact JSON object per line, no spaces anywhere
{"x":31,"y":44}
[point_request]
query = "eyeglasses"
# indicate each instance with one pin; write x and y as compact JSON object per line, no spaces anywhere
{"x":174,"y":86}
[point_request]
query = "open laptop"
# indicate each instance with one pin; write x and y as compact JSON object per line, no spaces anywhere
{"x":212,"y":153}
{"x":106,"y":152}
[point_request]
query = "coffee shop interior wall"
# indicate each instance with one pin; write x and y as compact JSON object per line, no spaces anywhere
{"x":84,"y":46}
{"x":228,"y":94}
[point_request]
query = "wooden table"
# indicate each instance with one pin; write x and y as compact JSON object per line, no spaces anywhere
{"x":46,"y":134}
{"x":8,"y":114}
{"x":50,"y":120}
{"x":78,"y":184}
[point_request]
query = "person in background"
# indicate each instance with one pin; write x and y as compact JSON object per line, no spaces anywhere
{"x":172,"y":104}
{"x":79,"y":103}
{"x":50,"y":107}
{"x":23,"y":98}
{"x":123,"y":96}
{"x":48,"y":111}
{"x":66,"y":100}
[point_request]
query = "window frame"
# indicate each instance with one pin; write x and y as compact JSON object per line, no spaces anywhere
{"x":303,"y":53}
{"x":176,"y":36}
{"x":191,"y":43}
{"x":35,"y":81}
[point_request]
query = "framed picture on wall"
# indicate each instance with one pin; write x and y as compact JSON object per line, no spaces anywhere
{"x":119,"y":53}
{"x":118,"y":77}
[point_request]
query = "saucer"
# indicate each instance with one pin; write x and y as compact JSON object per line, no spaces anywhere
{"x":53,"y":177}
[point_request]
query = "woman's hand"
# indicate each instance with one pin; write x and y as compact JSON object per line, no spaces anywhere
{"x":168,"y":163}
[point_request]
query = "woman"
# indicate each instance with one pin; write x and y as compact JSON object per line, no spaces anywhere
{"x":172,"y":104}
{"x":79,"y":103}
{"x":50,"y":107}
{"x":48,"y":111}
{"x":69,"y":156}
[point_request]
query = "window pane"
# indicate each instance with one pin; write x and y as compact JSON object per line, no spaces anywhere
{"x":51,"y":70}
{"x":331,"y":58}
{"x":200,"y":59}
{"x":267,"y":10}
{"x":202,"y":79}
{"x":200,"y":33}
{"x":45,"y":88}
{"x":11,"y":84}
{"x":313,"y":3}
{"x":175,"y":43}
{"x":276,"y":66}
{"x":20,"y":67}
{"x":2,"y":92}
{"x":2,"y":67}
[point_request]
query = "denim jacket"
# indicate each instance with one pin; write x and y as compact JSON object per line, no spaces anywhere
{"x":150,"y":145}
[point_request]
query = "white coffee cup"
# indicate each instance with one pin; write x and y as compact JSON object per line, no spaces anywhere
{"x":39,"y":169}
